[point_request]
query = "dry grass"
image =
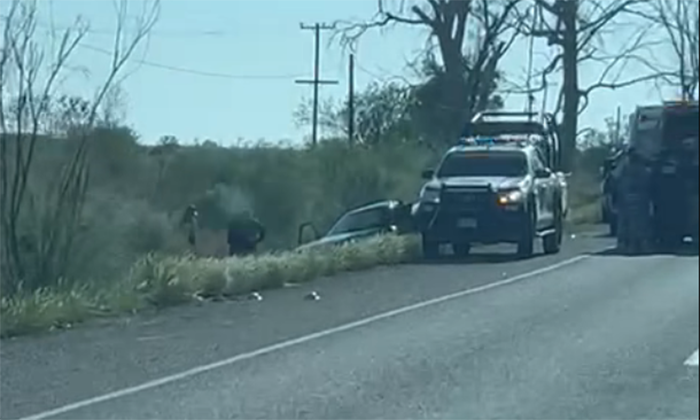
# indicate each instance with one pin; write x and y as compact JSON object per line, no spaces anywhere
{"x":166,"y":281}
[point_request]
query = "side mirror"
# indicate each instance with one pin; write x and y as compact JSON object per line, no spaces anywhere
{"x":302,"y":228}
{"x":427,"y":174}
{"x":543,"y":173}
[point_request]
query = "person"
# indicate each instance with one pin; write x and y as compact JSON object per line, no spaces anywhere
{"x":245,"y":232}
{"x":635,"y":205}
{"x":190,"y":222}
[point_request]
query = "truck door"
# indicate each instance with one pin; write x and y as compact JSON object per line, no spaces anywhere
{"x":544,"y":194}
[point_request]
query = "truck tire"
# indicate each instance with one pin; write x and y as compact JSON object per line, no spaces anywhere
{"x":526,"y":244}
{"x":552,"y":242}
{"x":612,"y":225}
{"x":431,"y":249}
{"x":604,"y":213}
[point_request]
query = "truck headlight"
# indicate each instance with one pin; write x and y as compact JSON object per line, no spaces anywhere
{"x":511,"y":197}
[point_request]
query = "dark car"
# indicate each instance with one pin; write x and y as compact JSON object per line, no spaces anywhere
{"x":371,"y":220}
{"x":487,"y":194}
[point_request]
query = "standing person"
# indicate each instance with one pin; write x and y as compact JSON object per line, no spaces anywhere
{"x":190,"y":222}
{"x":634,"y":234}
{"x":245,"y":232}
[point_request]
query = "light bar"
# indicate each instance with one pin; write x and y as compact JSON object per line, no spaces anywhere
{"x":492,"y":141}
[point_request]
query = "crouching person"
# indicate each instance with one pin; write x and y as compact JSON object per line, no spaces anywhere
{"x":244,"y":234}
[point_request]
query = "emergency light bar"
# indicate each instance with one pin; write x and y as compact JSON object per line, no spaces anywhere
{"x":494,"y":141}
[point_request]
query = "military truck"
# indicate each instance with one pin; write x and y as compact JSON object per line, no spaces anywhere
{"x":666,"y":138}
{"x":497,"y":185}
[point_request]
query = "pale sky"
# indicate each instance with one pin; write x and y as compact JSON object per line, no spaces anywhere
{"x":225,"y":69}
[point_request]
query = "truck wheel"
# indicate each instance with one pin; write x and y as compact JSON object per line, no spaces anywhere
{"x":612,"y":225}
{"x":461,"y":250}
{"x":552,"y":242}
{"x":431,"y":249}
{"x":604,"y":213}
{"x":526,"y":244}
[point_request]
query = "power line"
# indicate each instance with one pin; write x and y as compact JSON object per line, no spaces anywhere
{"x":111,"y":32}
{"x":165,"y":34}
{"x":197,"y":72}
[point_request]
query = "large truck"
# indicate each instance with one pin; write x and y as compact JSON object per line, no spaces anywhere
{"x":666,"y":138}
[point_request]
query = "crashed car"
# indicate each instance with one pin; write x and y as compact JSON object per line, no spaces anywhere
{"x":390,"y":216}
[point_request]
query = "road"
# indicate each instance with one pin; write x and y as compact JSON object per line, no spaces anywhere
{"x":580,"y":335}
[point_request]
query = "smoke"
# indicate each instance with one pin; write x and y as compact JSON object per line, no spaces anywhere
{"x":221,"y":203}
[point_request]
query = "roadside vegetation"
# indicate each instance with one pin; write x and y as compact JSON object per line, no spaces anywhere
{"x":90,"y":214}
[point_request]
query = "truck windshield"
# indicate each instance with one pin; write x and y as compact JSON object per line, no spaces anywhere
{"x":376,"y":218}
{"x":508,"y":164}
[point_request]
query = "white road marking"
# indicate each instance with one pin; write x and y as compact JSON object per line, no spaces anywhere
{"x":693,"y":360}
{"x":152,"y":337}
{"x":294,"y":342}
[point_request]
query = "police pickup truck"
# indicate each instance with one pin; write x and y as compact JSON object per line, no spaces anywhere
{"x":492,"y":189}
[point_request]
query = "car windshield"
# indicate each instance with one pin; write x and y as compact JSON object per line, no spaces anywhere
{"x":510,"y":164}
{"x":361,"y":220}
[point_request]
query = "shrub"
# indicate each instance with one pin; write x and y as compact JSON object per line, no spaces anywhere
{"x":160,"y":281}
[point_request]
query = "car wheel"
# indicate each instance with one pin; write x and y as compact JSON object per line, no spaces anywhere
{"x":552,"y":242}
{"x":526,"y":244}
{"x":431,"y":249}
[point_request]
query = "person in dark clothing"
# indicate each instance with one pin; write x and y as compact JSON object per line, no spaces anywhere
{"x":634,"y":233}
{"x":245,"y":232}
{"x":190,"y":222}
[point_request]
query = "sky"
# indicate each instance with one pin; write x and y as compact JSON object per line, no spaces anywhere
{"x":225,"y":70}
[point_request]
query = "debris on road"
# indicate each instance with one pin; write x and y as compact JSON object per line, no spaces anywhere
{"x":255,"y":296}
{"x":312,"y":296}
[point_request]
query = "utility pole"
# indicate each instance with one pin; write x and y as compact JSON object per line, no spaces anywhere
{"x":351,"y":99}
{"x":618,"y":127}
{"x":316,"y":82}
{"x":683,"y":9}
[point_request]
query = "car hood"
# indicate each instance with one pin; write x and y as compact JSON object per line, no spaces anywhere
{"x":497,"y":182}
{"x":341,"y":238}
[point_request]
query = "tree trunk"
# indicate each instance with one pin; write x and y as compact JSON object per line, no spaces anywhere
{"x":572,"y":94}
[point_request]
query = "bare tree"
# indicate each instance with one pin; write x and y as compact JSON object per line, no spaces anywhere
{"x":39,"y":224}
{"x":679,"y":21}
{"x":472,"y":36}
{"x":578,"y":29}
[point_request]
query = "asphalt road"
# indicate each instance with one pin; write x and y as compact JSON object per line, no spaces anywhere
{"x":578,"y":335}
